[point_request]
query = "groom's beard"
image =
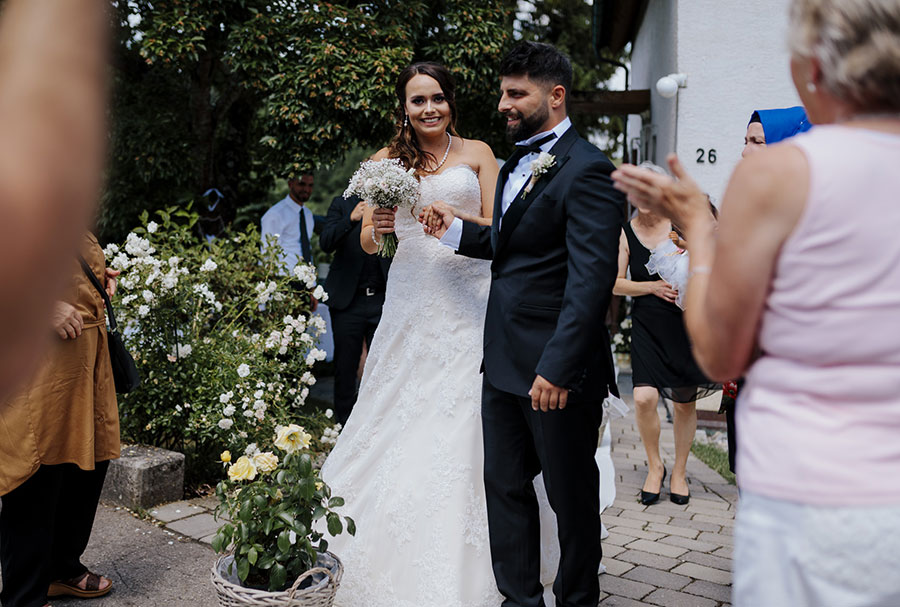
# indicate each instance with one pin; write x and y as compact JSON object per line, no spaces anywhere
{"x":528,"y":125}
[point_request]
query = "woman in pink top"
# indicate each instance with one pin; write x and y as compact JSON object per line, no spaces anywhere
{"x":806,"y":263}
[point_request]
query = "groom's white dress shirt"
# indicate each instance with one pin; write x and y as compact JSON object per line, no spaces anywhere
{"x":282,"y":220}
{"x":518,"y":177}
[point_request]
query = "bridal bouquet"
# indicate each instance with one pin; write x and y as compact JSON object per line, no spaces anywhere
{"x":386,"y":184}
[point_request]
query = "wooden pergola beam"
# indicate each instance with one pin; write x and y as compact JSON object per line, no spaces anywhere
{"x":611,"y":103}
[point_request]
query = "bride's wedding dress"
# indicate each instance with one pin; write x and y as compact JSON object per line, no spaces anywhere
{"x":409,"y":460}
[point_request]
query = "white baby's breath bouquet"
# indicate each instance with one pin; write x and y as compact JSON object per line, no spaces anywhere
{"x":385,"y":184}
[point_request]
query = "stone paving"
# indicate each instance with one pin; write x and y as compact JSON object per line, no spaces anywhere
{"x":665,"y":554}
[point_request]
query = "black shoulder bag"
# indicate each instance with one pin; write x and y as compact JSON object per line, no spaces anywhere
{"x":124,"y":370}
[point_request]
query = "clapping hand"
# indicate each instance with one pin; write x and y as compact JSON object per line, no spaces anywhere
{"x":358,"y":211}
{"x":437,"y":218}
{"x":679,"y":199}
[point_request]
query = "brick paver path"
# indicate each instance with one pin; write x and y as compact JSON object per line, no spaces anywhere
{"x":664,"y":554}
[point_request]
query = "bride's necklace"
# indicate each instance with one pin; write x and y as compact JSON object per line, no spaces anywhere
{"x":444,"y":159}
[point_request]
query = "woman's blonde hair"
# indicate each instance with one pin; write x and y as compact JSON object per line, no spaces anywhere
{"x":857,"y":45}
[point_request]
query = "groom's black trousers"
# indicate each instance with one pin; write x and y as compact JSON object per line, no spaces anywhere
{"x":519,"y":443}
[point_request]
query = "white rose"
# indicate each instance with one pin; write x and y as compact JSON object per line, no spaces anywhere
{"x":225,"y":423}
{"x":152,"y":227}
{"x":143,"y":310}
{"x":228,"y":411}
{"x":243,"y":370}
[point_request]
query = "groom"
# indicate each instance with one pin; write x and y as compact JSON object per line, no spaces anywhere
{"x":547,"y":362}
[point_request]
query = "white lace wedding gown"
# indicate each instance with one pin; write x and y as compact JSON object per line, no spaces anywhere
{"x":409,"y":460}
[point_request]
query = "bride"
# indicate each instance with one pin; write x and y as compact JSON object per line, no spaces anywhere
{"x":409,"y":460}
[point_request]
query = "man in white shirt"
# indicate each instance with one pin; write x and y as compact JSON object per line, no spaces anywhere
{"x":291,"y":222}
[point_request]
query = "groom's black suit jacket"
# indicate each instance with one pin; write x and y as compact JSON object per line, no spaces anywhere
{"x":554,"y":261}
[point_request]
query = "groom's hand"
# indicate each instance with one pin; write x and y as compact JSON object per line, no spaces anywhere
{"x":437,"y":218}
{"x":545,"y":395}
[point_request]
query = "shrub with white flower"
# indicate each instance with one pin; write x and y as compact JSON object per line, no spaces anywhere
{"x":192,"y":317}
{"x":621,"y":341}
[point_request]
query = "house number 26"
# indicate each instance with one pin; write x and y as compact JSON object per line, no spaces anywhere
{"x":703,"y":156}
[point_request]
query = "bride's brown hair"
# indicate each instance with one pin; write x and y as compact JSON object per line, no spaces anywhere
{"x":405,"y":144}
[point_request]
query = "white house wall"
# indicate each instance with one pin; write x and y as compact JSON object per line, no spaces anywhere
{"x":736,"y":60}
{"x":655,"y":54}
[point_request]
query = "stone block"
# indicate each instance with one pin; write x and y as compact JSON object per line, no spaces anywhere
{"x":701,"y":572}
{"x":197,"y":527}
{"x":670,"y":598}
{"x":144,"y":477}
{"x":655,"y":577}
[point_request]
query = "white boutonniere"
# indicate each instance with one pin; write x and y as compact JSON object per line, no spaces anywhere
{"x":539,"y":166}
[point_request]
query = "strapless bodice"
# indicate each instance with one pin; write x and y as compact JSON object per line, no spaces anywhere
{"x":457,"y":186}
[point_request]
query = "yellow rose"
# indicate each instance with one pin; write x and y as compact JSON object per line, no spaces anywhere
{"x":292,"y":438}
{"x":278,"y":495}
{"x":265,"y":462}
{"x":319,"y":485}
{"x":226,"y":456}
{"x":242,"y":470}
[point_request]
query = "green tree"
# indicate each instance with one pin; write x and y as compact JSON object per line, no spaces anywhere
{"x":235,"y":94}
{"x":567,"y":24}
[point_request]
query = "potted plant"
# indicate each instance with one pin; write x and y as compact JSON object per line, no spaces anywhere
{"x":274,"y":552}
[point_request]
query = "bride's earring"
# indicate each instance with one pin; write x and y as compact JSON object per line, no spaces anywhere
{"x":405,"y":120}
{"x":811,"y":87}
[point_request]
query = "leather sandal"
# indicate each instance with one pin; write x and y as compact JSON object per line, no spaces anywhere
{"x":70,"y":587}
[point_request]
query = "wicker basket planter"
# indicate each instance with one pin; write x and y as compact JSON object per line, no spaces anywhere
{"x":315,"y":588}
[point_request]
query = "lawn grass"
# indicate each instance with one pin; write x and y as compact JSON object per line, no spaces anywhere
{"x":715,"y":458}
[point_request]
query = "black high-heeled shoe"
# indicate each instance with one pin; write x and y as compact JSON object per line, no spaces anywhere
{"x":648,"y":498}
{"x":677,"y":498}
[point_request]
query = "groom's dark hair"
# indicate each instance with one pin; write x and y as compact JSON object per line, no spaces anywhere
{"x":540,"y":62}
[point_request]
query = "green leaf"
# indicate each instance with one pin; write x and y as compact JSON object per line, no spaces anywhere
{"x":307,"y":487}
{"x":336,"y":502}
{"x":277,"y":577}
{"x":334,"y":524}
{"x":351,"y":525}
{"x":243,"y":569}
{"x":284,"y":541}
{"x":252,"y":556}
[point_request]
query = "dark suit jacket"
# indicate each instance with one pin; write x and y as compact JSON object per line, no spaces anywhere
{"x":554,"y":265}
{"x":341,"y":235}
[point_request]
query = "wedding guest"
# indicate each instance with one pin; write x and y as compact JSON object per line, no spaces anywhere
{"x":53,"y":74}
{"x":661,"y":359}
{"x":291,"y":222}
{"x":771,"y":126}
{"x":765,"y":127}
{"x":57,"y":435}
{"x":807,"y":265}
{"x":356,"y":284}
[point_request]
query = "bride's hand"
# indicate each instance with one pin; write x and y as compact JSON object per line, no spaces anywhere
{"x":437,"y":218}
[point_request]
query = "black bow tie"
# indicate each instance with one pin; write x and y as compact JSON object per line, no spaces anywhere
{"x":535,"y":146}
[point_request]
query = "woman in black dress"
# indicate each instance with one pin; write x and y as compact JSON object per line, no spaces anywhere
{"x":661,"y":359}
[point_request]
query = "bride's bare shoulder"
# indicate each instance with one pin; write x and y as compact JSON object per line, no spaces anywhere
{"x":476,"y":153}
{"x":381,"y":154}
